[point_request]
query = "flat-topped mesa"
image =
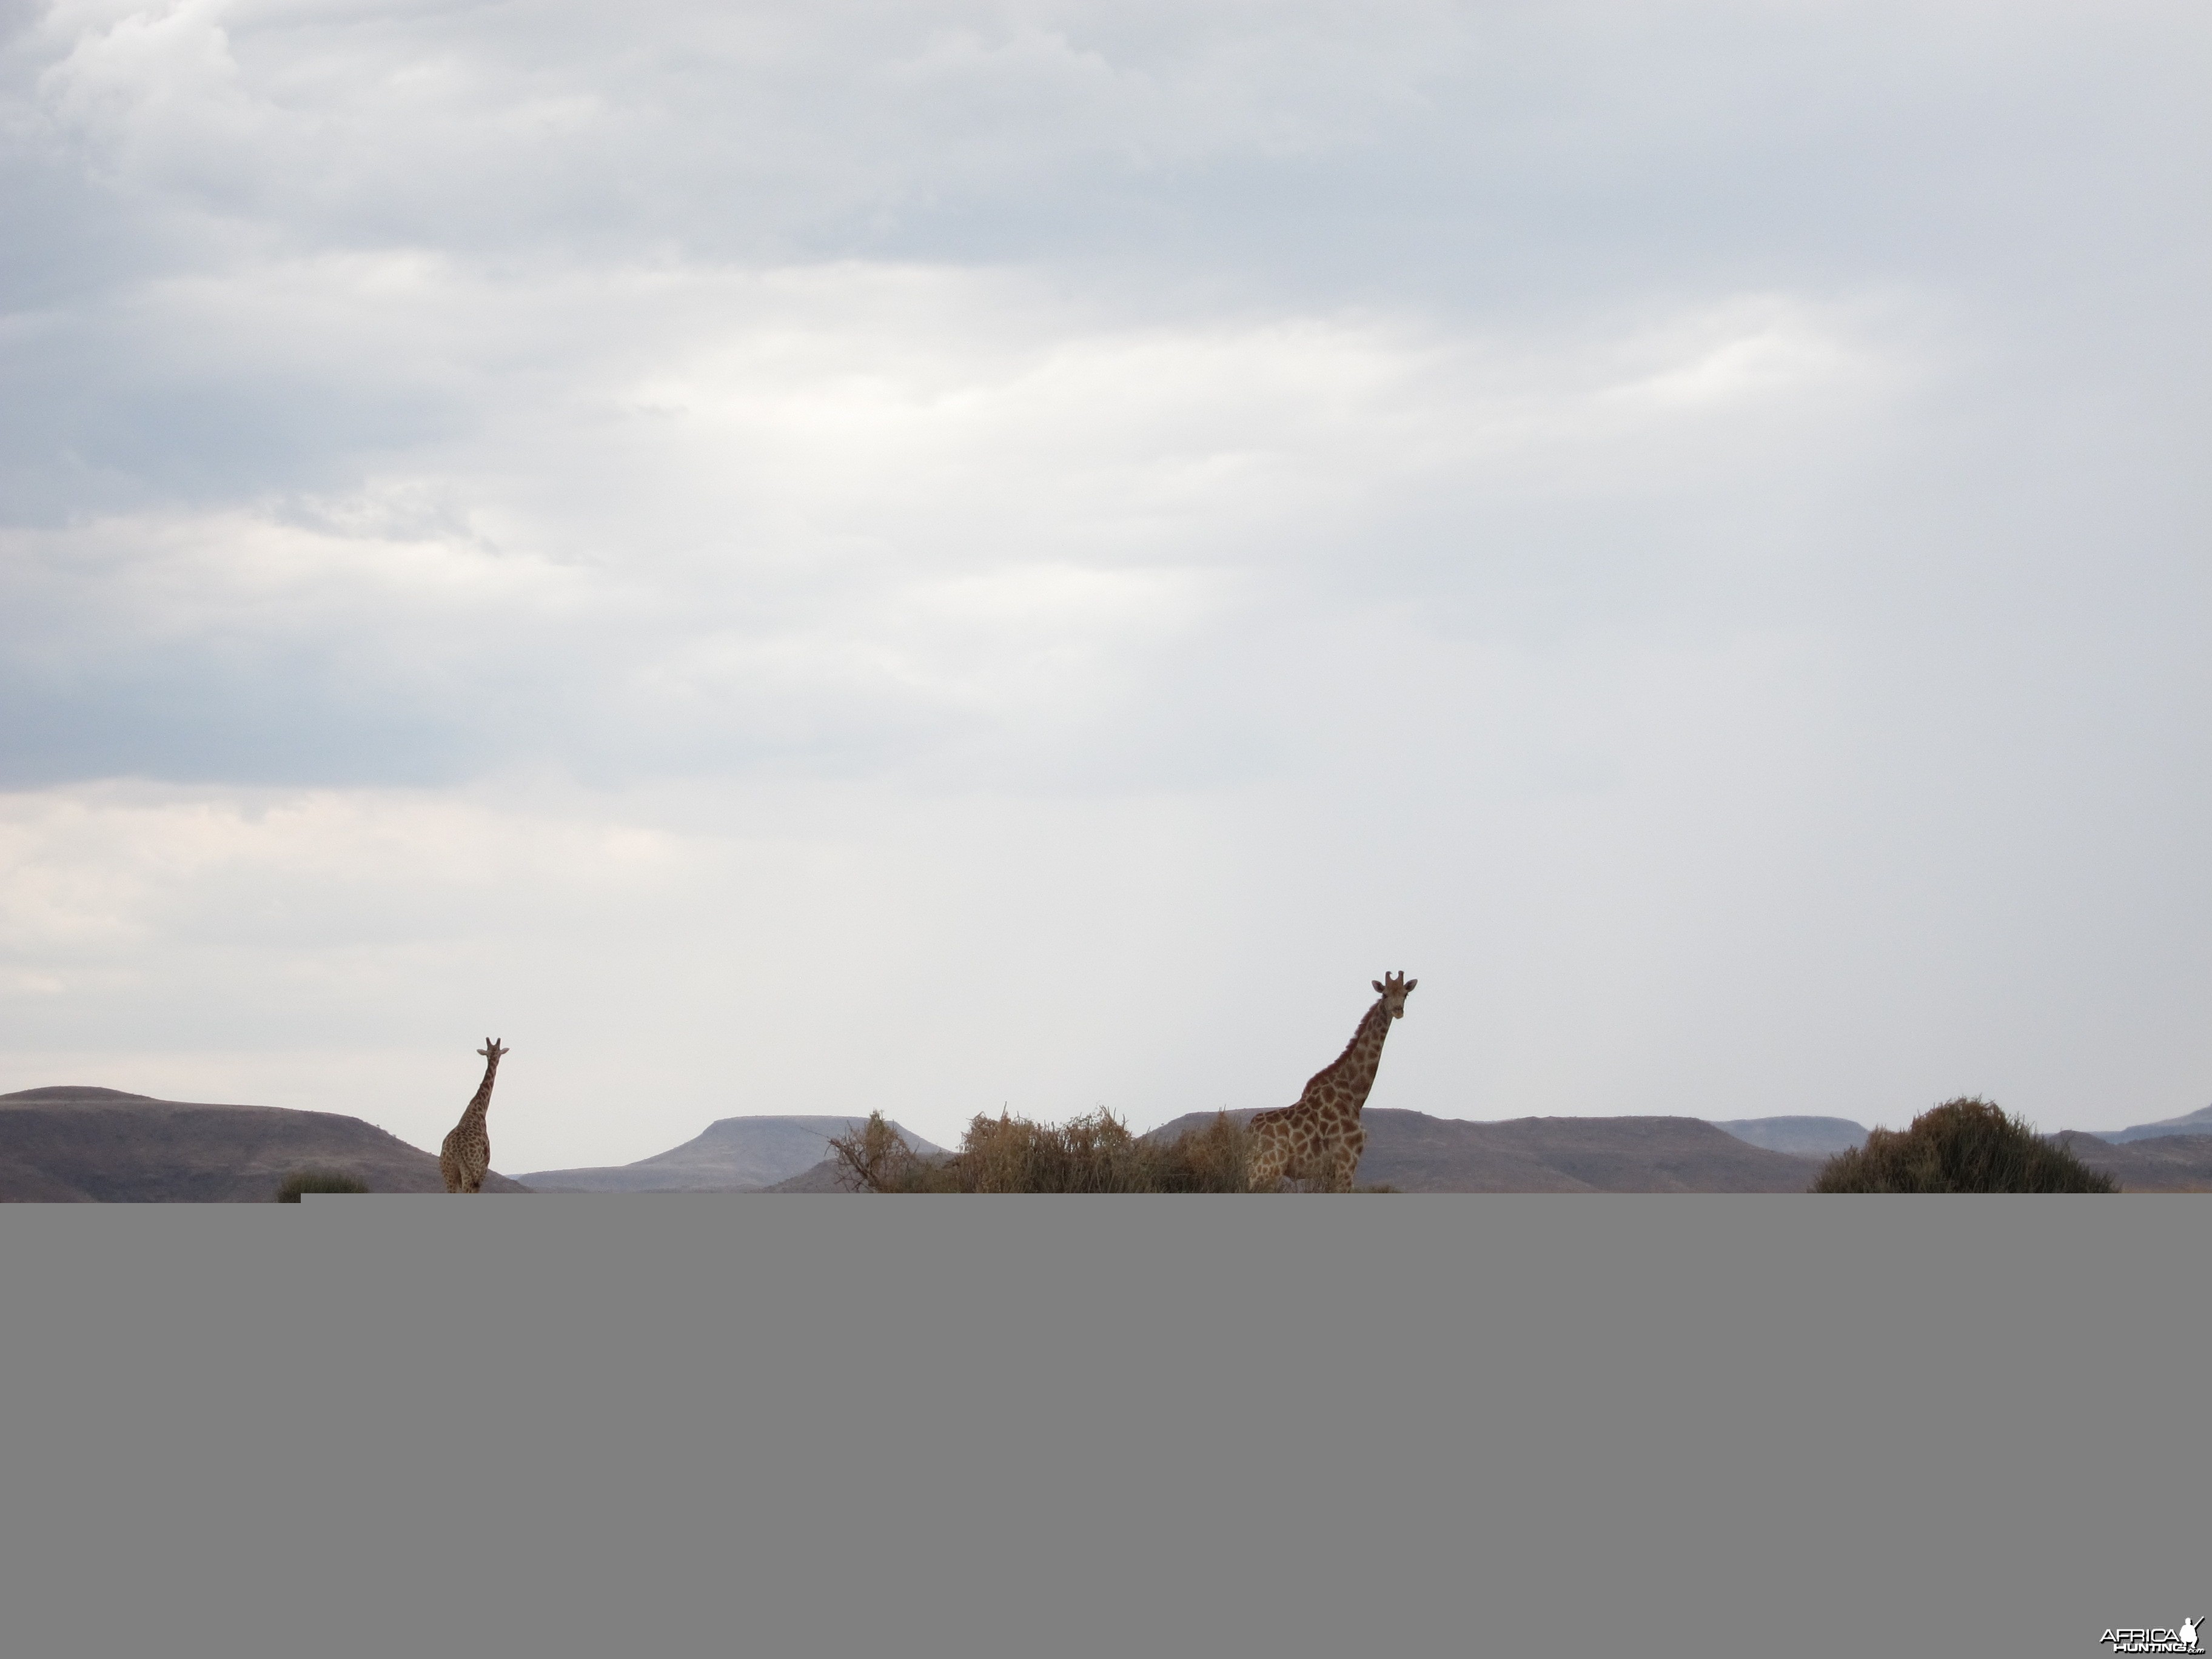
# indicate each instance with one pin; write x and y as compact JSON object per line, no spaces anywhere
{"x":464,"y":1156}
{"x":1321,"y":1138}
{"x":72,"y":1094}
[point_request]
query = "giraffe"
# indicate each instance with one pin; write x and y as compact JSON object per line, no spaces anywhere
{"x":1320,"y":1138}
{"x":465,"y":1159}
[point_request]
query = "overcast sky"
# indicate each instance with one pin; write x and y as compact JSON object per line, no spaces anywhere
{"x":799,"y":557}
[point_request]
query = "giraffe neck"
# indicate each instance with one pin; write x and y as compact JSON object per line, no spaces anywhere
{"x":1355,"y":1068}
{"x":482,"y":1102}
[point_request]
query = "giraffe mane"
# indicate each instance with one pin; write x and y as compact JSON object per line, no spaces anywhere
{"x":1358,"y":1032}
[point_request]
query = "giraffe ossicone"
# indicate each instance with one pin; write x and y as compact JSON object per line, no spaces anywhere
{"x":1321,"y":1138}
{"x":465,"y":1158}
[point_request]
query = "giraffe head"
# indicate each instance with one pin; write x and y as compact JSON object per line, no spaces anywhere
{"x":493,"y":1049}
{"x":1394,"y":987}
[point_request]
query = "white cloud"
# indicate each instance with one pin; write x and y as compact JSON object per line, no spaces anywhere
{"x":717,"y":127}
{"x":754,"y":513}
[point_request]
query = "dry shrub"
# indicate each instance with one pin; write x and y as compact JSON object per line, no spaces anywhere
{"x":1966,"y":1145}
{"x":875,"y":1158}
{"x":1207,"y":1160}
{"x":1093,"y":1153}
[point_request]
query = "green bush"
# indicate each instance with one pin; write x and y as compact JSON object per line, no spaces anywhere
{"x":1966,"y":1145}
{"x":1093,"y":1153}
{"x":318,"y":1181}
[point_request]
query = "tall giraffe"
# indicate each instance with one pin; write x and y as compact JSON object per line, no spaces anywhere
{"x":465,"y":1157}
{"x":1320,"y":1138}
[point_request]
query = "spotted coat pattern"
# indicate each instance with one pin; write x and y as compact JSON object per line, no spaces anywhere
{"x":1320,"y":1139}
{"x":464,"y":1156}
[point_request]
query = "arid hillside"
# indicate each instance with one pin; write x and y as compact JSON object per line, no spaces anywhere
{"x":78,"y":1144}
{"x":2161,"y":1163}
{"x":1417,"y":1153}
{"x":1803,"y":1137}
{"x":732,"y":1154}
{"x":2198,"y":1123}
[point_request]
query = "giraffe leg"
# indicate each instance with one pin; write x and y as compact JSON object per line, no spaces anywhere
{"x":1348,"y":1153}
{"x":1347,"y":1164}
{"x":1266,"y":1171}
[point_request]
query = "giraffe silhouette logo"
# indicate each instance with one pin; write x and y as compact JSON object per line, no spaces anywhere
{"x":2181,"y":1639}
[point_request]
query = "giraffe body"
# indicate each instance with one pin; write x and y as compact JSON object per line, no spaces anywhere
{"x":464,"y":1156}
{"x":1320,"y":1139}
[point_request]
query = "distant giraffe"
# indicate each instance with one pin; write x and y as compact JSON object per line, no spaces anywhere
{"x":466,"y":1157}
{"x":1320,"y":1138}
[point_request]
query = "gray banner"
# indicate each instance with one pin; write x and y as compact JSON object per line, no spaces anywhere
{"x":795,"y":1425}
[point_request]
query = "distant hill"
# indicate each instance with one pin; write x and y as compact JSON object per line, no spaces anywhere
{"x":77,"y":1144}
{"x":819,"y":1178}
{"x":1417,"y":1153}
{"x":2161,"y":1164}
{"x":1805,"y":1137}
{"x":734,"y":1155}
{"x":2192,"y":1123}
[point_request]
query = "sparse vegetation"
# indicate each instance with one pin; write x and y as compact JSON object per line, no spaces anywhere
{"x":1093,"y":1153}
{"x":318,"y":1181}
{"x":1965,"y":1145}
